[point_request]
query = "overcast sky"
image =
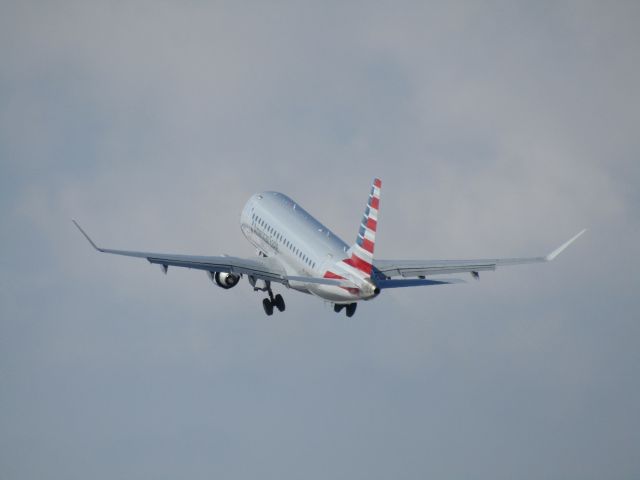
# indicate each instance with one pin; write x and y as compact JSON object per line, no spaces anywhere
{"x":498,"y":129}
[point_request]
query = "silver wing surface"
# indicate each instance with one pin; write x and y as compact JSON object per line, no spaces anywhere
{"x":260,"y":268}
{"x":423,"y":268}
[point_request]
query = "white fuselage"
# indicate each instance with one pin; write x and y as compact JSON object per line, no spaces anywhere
{"x":281,"y":229}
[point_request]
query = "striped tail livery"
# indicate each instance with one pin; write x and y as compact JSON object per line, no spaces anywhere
{"x":361,"y":253}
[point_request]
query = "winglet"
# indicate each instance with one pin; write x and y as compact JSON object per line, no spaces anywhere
{"x":559,"y":250}
{"x":87,"y":236}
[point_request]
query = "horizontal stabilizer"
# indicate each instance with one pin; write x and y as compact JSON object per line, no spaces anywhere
{"x":415,"y":282}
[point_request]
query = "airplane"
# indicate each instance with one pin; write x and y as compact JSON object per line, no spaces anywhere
{"x":297,"y":251}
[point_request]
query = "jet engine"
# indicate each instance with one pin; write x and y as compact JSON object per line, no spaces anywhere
{"x":224,"y":280}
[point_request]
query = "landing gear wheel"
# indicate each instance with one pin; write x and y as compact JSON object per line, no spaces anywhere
{"x":351,"y":309}
{"x":337,"y":307}
{"x":278,"y":301}
{"x":268,"y":306}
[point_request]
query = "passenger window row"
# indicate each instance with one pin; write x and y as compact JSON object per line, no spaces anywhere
{"x":269,"y":229}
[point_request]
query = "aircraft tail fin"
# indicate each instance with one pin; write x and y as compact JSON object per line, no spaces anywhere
{"x":360,"y":255}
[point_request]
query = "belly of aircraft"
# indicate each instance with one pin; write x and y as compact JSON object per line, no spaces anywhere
{"x":336,"y":294}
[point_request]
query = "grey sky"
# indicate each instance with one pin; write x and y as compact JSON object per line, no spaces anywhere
{"x":498,"y":128}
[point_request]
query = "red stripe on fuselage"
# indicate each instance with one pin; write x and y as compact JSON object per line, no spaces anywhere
{"x":351,"y":290}
{"x":329,"y":274}
{"x":356,"y":262}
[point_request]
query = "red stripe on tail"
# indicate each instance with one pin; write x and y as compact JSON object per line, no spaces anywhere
{"x":372,"y":224}
{"x":367,"y":245}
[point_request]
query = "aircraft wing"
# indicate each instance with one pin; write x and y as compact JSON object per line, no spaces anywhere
{"x":264,"y":269}
{"x":423,"y":268}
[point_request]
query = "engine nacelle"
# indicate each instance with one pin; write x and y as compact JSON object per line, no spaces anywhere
{"x":224,"y":280}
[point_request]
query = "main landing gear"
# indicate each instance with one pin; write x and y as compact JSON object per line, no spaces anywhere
{"x":350,"y":308}
{"x":268,"y":303}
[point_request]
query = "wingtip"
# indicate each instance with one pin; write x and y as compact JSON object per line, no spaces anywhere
{"x":562,"y":247}
{"x":86,"y":236}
